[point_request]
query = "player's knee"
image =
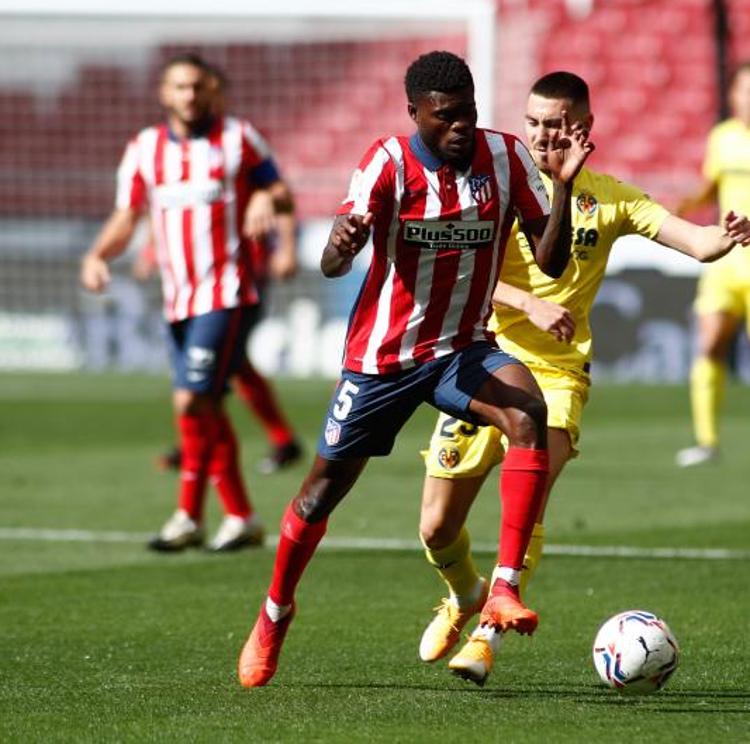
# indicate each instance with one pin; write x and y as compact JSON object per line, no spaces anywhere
{"x":436,"y":531}
{"x":189,"y":403}
{"x":715,"y":350}
{"x":529,"y":427}
{"x":324,"y":487}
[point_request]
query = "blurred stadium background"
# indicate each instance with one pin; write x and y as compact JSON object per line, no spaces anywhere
{"x":77,"y":79}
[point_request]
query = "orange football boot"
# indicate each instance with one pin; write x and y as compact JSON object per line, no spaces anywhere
{"x":505,"y":611}
{"x":260,"y":654}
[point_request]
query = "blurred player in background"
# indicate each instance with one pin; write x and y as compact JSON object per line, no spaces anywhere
{"x":544,"y":323}
{"x":271,"y":228}
{"x":441,"y":204}
{"x":723,"y":297}
{"x":197,"y":173}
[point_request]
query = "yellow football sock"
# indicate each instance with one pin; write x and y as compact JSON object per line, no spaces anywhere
{"x":456,"y":566}
{"x":707,"y":379}
{"x":532,"y":557}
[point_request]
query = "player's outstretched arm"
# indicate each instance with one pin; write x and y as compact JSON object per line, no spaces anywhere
{"x":111,"y":241}
{"x":348,"y":237}
{"x":567,"y":151}
{"x":705,"y":243}
{"x":547,"y":316}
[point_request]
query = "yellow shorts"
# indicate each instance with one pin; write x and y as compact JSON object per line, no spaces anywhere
{"x":461,"y":450}
{"x":724,"y":287}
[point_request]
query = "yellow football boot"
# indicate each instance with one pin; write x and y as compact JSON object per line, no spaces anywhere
{"x":442,"y":634}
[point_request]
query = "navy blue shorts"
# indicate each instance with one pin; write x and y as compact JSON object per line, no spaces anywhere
{"x":207,"y":350}
{"x":367,"y":411}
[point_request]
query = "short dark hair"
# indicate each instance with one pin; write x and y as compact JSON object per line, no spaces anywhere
{"x":437,"y":71}
{"x":562,"y":84}
{"x":187,"y":58}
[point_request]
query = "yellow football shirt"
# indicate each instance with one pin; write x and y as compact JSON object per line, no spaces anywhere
{"x":603,"y":209}
{"x":727,"y":163}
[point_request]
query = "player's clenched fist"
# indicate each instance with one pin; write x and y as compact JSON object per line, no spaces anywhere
{"x":95,"y":274}
{"x":348,"y":237}
{"x":350,"y":234}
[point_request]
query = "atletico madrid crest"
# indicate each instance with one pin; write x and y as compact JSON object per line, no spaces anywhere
{"x":481,"y":188}
{"x":332,"y":432}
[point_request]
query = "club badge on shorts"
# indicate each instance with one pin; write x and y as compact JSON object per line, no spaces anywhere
{"x":448,"y":457}
{"x":332,"y":432}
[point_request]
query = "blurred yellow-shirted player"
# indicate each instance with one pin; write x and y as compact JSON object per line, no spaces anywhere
{"x":723,"y":296}
{"x":544,"y":323}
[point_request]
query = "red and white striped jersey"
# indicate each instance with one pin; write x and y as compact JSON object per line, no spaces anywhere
{"x":197,"y":189}
{"x":438,"y":241}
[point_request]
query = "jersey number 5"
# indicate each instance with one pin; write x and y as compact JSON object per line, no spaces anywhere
{"x":345,"y":400}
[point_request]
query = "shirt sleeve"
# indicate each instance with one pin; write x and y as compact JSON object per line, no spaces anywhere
{"x":258,"y":156}
{"x":528,"y":194}
{"x":131,"y":186}
{"x":640,"y":214}
{"x":372,"y":184}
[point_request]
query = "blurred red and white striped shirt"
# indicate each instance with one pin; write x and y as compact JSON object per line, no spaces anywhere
{"x":197,"y":190}
{"x":438,"y":242}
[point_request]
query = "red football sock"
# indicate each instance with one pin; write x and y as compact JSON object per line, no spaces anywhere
{"x":258,"y":396}
{"x":197,"y":436}
{"x":297,"y":542}
{"x":522,"y":483}
{"x":224,"y":469}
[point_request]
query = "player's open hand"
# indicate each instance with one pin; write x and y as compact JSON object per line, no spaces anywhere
{"x":737,"y":227}
{"x":553,"y":319}
{"x":350,"y":233}
{"x":260,"y":216}
{"x":95,"y":274}
{"x":567,"y":149}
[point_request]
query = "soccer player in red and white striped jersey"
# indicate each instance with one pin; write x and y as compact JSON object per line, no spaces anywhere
{"x":196,"y":172}
{"x":440,"y":206}
{"x":271,"y":260}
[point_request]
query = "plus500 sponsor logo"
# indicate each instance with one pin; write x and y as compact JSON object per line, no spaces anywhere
{"x":189,"y":193}
{"x":447,"y":234}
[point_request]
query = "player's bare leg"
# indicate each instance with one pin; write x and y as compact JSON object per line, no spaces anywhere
{"x":302,"y":529}
{"x":716,"y":333}
{"x":445,"y":505}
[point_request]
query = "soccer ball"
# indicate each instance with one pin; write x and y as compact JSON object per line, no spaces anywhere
{"x":635,"y":652}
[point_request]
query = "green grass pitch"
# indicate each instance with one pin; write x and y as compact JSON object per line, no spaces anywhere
{"x":101,"y":641}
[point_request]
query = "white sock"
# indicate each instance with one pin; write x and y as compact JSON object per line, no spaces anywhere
{"x":277,"y":612}
{"x":466,"y":600}
{"x":489,"y":633}
{"x":511,"y":575}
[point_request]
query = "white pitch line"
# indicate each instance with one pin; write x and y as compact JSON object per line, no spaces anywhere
{"x":391,"y":544}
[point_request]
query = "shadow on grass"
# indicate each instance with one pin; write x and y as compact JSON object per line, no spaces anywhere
{"x":667,"y":701}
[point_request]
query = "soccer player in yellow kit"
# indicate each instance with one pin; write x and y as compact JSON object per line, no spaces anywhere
{"x":723,"y":297}
{"x":545,"y":324}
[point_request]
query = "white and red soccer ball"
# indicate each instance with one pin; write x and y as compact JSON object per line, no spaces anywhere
{"x":635,"y":652}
